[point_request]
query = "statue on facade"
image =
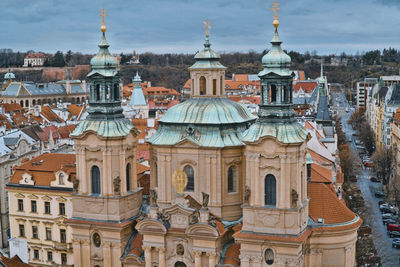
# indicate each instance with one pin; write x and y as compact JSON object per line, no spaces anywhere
{"x":206,"y":198}
{"x":247,"y":194}
{"x":194,"y":218}
{"x":75,"y":185}
{"x":295,"y":197}
{"x":153,"y":197}
{"x":117,"y":185}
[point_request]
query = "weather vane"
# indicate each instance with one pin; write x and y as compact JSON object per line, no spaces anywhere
{"x":275,"y":8}
{"x":207,"y":26}
{"x":103,"y":15}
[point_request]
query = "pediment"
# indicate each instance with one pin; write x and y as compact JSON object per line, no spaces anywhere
{"x":19,"y":195}
{"x":187,"y":143}
{"x":46,"y":198}
{"x":33,"y":196}
{"x":178,"y":209}
{"x":151,"y":226}
{"x":202,"y":230}
{"x":61,"y":199}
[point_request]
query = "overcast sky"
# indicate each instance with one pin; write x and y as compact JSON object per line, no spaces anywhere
{"x":174,"y":26}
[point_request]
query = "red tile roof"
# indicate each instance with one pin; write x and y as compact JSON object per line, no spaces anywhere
{"x":74,"y":110}
{"x":12,"y":262}
{"x":317,"y":158}
{"x":308,"y":86}
{"x":50,"y":115}
{"x":396,"y":118}
{"x":326,"y":205}
{"x":140,"y":168}
{"x":163,"y":104}
{"x":35,"y":55}
{"x":12,"y":107}
{"x":241,"y":85}
{"x":160,"y":91}
{"x":44,"y":167}
{"x":232,"y":256}
{"x":252,"y":99}
{"x":127,"y":89}
{"x":65,"y":131}
{"x":320,"y":174}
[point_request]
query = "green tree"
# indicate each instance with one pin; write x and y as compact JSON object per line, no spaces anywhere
{"x":58,"y":60}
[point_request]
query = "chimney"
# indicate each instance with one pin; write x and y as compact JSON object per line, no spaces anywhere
{"x":84,"y":86}
{"x":148,"y":84}
{"x":68,"y":87}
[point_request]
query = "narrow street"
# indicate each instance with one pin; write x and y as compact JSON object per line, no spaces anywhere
{"x":383,"y":244}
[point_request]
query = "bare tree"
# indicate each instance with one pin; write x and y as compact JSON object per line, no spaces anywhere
{"x":382,"y":159}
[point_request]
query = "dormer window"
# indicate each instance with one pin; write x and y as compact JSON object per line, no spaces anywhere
{"x":61,"y":179}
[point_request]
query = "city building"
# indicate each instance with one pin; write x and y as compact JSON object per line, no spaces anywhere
{"x":34,"y":60}
{"x":39,"y":195}
{"x":29,"y":94}
{"x":363,"y":89}
{"x":15,"y":146}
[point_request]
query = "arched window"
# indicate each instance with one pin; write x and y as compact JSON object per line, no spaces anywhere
{"x":33,"y":102}
{"x":286,"y":94}
{"x":128,"y":177}
{"x":61,"y":178}
{"x":21,"y":103}
{"x":116,"y":91}
{"x":26,"y":103}
{"x":270,"y":190}
{"x":273,"y":93}
{"x":95,"y":180}
{"x":214,"y":86}
{"x":232,"y":179}
{"x":220,"y":85}
{"x":202,"y":85}
{"x":97,"y":92}
{"x":190,"y":175}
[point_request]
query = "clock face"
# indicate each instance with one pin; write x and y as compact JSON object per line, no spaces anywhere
{"x":269,"y":256}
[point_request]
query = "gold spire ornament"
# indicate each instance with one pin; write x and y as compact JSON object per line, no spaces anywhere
{"x":275,"y":8}
{"x":179,"y":180}
{"x":103,"y":15}
{"x":207,"y":26}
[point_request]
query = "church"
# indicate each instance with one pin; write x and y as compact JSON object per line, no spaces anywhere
{"x":227,"y":188}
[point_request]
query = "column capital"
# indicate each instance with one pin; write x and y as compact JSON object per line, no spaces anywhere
{"x":146,"y":248}
{"x":161,"y":250}
{"x":211,"y":254}
{"x":197,"y":253}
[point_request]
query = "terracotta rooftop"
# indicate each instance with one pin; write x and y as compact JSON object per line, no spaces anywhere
{"x":74,"y":111}
{"x":12,"y":107}
{"x":44,"y":167}
{"x":35,"y":55}
{"x":320,"y":174}
{"x":396,"y":118}
{"x":317,"y":158}
{"x":163,"y":104}
{"x":232,"y":256}
{"x":307,"y":86}
{"x":326,"y":205}
{"x":140,"y":168}
{"x":160,"y":91}
{"x":252,"y":99}
{"x":12,"y":262}
{"x":127,"y":89}
{"x":50,"y":115}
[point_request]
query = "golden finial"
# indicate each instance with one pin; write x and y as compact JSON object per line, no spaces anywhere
{"x":207,"y":26}
{"x":179,"y":180}
{"x":275,"y":8}
{"x":103,"y":15}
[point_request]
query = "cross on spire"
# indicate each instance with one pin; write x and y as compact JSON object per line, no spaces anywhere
{"x":103,"y":15}
{"x":275,"y":8}
{"x":207,"y":26}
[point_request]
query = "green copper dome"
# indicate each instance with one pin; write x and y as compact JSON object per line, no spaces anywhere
{"x":276,"y":60}
{"x":207,"y":122}
{"x":104,"y":62}
{"x":9,"y":75}
{"x":207,"y":58}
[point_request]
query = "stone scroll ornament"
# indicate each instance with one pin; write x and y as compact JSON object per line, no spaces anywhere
{"x":206,"y":198}
{"x":117,"y":185}
{"x":179,"y":180}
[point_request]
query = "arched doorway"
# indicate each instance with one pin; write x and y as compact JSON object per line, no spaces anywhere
{"x":179,"y":264}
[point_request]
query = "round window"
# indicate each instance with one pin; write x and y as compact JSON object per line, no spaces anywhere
{"x":96,"y":240}
{"x":269,"y":256}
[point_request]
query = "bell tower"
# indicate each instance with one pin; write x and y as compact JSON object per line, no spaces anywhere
{"x":106,"y":199}
{"x":275,"y":210}
{"x":207,"y":74}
